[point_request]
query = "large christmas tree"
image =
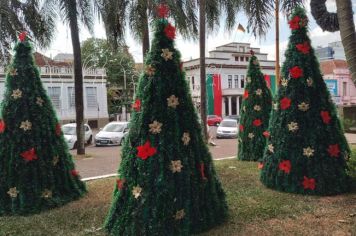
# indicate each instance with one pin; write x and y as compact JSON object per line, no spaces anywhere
{"x":256,"y":108}
{"x":167,"y":184}
{"x":36,"y":169}
{"x":307,"y":150}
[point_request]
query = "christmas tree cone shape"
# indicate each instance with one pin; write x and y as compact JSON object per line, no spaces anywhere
{"x":255,"y":112}
{"x":307,"y":150}
{"x":36,"y":169}
{"x":167,"y":183}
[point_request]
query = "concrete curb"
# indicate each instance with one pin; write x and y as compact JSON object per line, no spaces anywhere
{"x":114,"y":174}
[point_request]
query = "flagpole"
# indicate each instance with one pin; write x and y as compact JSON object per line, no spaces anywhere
{"x":277,"y":43}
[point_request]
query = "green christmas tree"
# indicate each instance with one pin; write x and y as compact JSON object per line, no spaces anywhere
{"x":256,"y":108}
{"x":36,"y":169}
{"x":307,"y":150}
{"x":167,"y":184}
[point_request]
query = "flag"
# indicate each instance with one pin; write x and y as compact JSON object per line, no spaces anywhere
{"x":241,"y":28}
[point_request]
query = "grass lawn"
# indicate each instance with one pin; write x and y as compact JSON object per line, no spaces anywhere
{"x":254,"y":210}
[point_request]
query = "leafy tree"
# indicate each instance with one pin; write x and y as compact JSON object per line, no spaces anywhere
{"x":36,"y":170}
{"x":307,"y":149}
{"x":256,"y":108}
{"x":167,"y":184}
{"x":342,"y":20}
{"x":120,"y":70}
{"x":17,"y":16}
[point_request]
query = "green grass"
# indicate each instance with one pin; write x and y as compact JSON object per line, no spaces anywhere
{"x":253,"y":210}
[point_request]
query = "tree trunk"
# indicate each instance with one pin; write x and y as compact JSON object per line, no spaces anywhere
{"x":277,"y":43}
{"x":78,"y":77}
{"x":145,"y":36}
{"x":347,"y":32}
{"x":202,"y":19}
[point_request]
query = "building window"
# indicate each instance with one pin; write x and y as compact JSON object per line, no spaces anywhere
{"x":236,"y":81}
{"x":55,"y":95}
{"x":230,"y":81}
{"x":236,"y":58}
{"x":246,"y":58}
{"x":71,"y":97}
{"x":242,"y":49}
{"x":344,"y":88}
{"x":193,"y":82}
{"x":241,"y":58}
{"x":242,"y":81}
{"x":91,"y":97}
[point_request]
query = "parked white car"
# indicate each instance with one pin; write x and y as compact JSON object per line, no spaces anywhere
{"x":70,"y":134}
{"x":227,"y":129}
{"x":113,"y":133}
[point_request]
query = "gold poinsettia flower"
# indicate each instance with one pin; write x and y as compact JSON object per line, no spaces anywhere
{"x":39,"y":101}
{"x":251,"y":135}
{"x":271,"y":148}
{"x":155,"y":127}
{"x":166,"y":54}
{"x":150,"y":70}
{"x":303,"y":106}
{"x":308,"y":152}
{"x":293,"y":126}
{"x":310,"y":82}
{"x":17,"y":93}
{"x":136,"y":191}
{"x":176,"y":166}
{"x":284,"y":82}
{"x":47,"y":193}
{"x":257,"y":108}
{"x":13,"y":192}
{"x":186,"y":138}
{"x":26,"y":125}
{"x":259,"y":92}
{"x":172,"y":101}
{"x":179,"y":214}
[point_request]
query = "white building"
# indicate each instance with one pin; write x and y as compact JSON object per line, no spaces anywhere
{"x":334,"y":50}
{"x":230,"y":63}
{"x":58,"y":80}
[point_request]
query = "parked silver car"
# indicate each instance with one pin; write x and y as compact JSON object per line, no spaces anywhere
{"x":70,"y":134}
{"x":113,"y":133}
{"x":227,"y":129}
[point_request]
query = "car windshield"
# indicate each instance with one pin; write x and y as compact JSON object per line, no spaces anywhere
{"x":228,"y":123}
{"x":113,"y":128}
{"x":68,"y":130}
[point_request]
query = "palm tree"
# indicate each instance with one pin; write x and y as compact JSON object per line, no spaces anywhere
{"x":343,"y":21}
{"x":260,"y":14}
{"x":26,"y":15}
{"x":71,"y":11}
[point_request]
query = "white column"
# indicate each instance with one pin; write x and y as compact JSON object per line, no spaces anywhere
{"x":223,"y":107}
{"x":229,"y":97}
{"x":237,"y":105}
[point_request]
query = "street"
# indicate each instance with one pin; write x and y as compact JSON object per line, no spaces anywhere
{"x":106,"y":160}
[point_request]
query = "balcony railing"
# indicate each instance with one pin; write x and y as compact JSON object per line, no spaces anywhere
{"x":62,"y":71}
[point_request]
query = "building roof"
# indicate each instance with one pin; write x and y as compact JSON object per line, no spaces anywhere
{"x":64,"y":57}
{"x":328,"y":67}
{"x":42,"y":60}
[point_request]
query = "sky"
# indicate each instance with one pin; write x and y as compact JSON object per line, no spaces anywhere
{"x":190,"y":49}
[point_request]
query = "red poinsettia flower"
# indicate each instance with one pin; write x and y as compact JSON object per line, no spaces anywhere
{"x":137,"y":105}
{"x":170,"y":31}
{"x":334,"y":150}
{"x":285,"y":103}
{"x":285,"y":166}
{"x":296,"y":72}
{"x":308,"y":183}
{"x":145,"y":151}
{"x":120,"y":183}
{"x":74,"y":173}
{"x":202,"y":171}
{"x":325,"y":116}
{"x":29,"y":155}
{"x":245,"y":94}
{"x":294,"y":23}
{"x":257,"y":122}
{"x":162,"y":11}
{"x":2,"y":126}
{"x":260,"y":165}
{"x":303,"y":47}
{"x":22,"y":36}
{"x":266,"y":134}
{"x":58,"y":130}
{"x":241,"y":128}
